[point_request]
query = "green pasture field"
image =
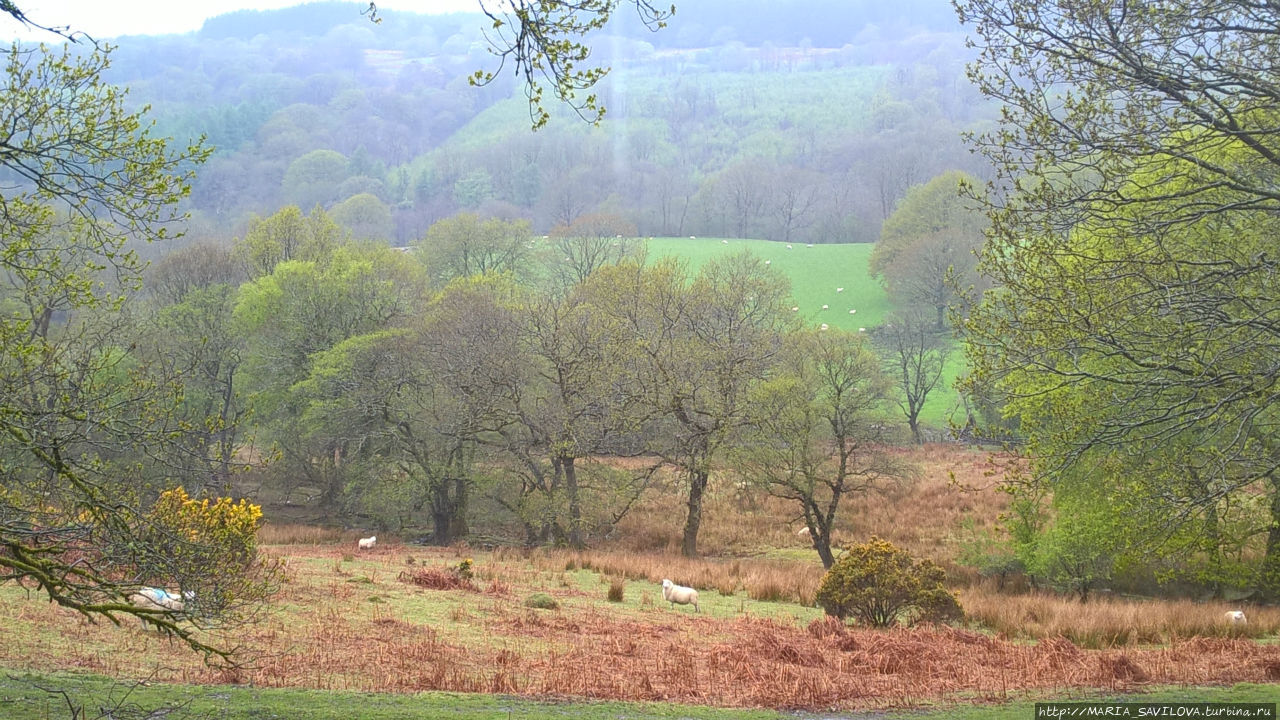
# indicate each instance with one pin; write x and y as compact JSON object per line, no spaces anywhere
{"x":22,"y":699}
{"x":815,"y":273}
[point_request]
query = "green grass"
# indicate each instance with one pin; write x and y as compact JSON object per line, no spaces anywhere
{"x":21,"y":699}
{"x":1025,"y":709}
{"x":815,"y":273}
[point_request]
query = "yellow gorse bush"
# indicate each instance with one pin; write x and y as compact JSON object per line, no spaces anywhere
{"x":221,"y":524}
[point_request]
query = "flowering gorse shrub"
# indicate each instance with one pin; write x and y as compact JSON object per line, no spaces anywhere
{"x":880,"y":584}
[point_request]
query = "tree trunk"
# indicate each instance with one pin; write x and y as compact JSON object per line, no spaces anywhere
{"x":823,"y":544}
{"x":697,"y":487}
{"x":1270,"y":575}
{"x":461,"y":499}
{"x":575,"y":506}
{"x":914,"y":422}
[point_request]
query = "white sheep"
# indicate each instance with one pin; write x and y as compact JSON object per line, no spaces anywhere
{"x":726,"y":242}
{"x":803,"y":532}
{"x":674,"y":593}
{"x":768,"y":262}
{"x":151,"y":598}
{"x":367,"y":543}
{"x":839,"y":289}
{"x":824,"y":307}
{"x":1236,"y":617}
{"x":823,"y":326}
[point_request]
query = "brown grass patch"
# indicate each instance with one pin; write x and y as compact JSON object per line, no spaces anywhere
{"x":921,"y":514}
{"x":1105,"y":622}
{"x":466,"y":642}
{"x":297,"y":534}
{"x":436,"y":578}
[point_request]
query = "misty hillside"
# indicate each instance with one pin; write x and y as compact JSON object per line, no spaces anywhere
{"x":789,"y":121}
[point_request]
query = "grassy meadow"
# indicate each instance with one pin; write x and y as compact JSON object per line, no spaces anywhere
{"x":398,"y":632}
{"x":815,"y":273}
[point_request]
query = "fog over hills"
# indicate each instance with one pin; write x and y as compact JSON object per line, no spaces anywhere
{"x":781,"y":120}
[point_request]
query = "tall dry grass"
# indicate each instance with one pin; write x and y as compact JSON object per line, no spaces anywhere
{"x":1105,"y":622}
{"x":921,"y":514}
{"x":334,"y":637}
{"x":298,"y":534}
{"x":772,"y":580}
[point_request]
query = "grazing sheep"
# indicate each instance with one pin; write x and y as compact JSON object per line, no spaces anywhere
{"x":768,"y":262}
{"x":803,"y":532}
{"x":839,"y":289}
{"x":823,"y":327}
{"x":726,"y":242}
{"x":673,"y":594}
{"x":852,"y":312}
{"x":367,"y":543}
{"x":1236,"y":617}
{"x":150,"y":598}
{"x":824,"y":307}
{"x":788,"y":247}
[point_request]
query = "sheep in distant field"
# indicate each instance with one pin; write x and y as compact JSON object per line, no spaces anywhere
{"x":839,"y":289}
{"x":367,"y":543}
{"x":673,"y":594}
{"x":824,"y":326}
{"x":803,"y":532}
{"x":1236,"y":617}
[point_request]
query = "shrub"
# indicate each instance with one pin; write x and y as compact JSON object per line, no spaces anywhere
{"x":210,"y":547}
{"x":542,"y":601}
{"x":437,"y":578}
{"x":615,"y":590}
{"x":879,"y":584}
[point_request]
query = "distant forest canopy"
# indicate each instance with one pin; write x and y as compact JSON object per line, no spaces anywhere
{"x":798,"y":121}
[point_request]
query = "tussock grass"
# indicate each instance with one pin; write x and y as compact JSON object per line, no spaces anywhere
{"x":1112,"y":622}
{"x":297,"y":534}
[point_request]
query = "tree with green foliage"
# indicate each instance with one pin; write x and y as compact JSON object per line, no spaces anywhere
{"x":464,"y":245}
{"x":1133,"y":217}
{"x":579,"y":402}
{"x":313,"y":178}
{"x":914,"y":356}
{"x":697,"y":349}
{"x":365,"y":217}
{"x":928,"y":247}
{"x":197,"y":339}
{"x":286,"y":235}
{"x":815,"y":436}
{"x":302,"y":309}
{"x":881,"y":585}
{"x":87,"y":426}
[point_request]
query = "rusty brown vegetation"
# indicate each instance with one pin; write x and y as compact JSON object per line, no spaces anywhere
{"x":400,"y":619}
{"x":332,"y":637}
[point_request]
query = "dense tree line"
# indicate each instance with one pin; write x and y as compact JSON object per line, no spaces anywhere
{"x":715,"y":134}
{"x":477,"y":384}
